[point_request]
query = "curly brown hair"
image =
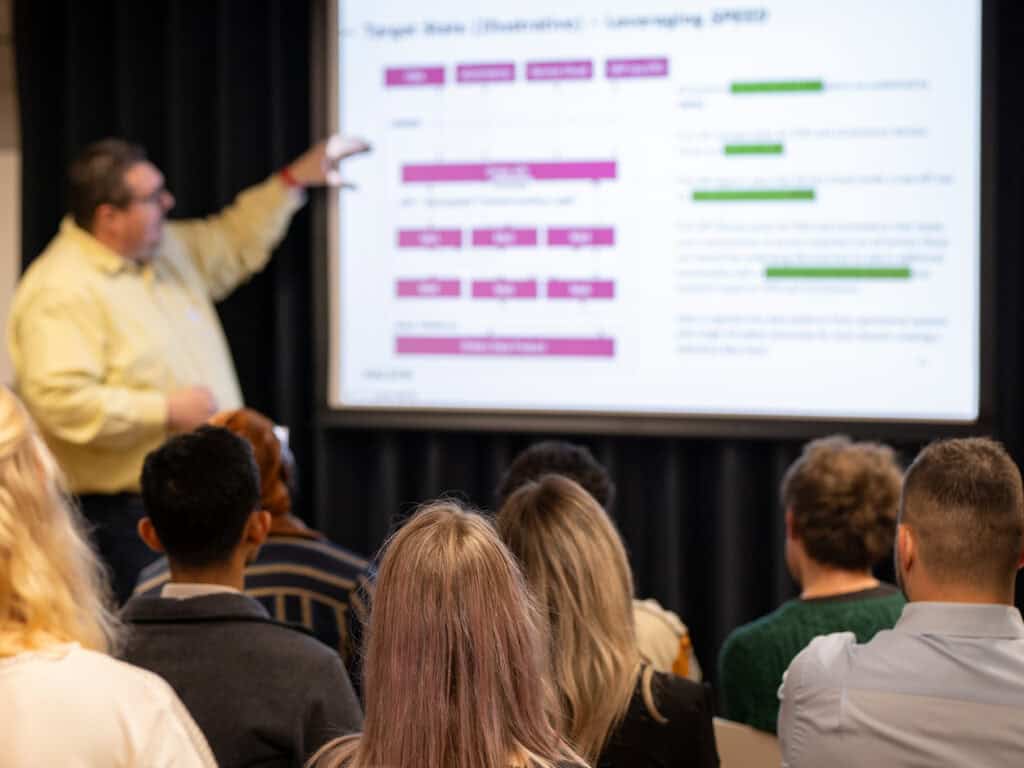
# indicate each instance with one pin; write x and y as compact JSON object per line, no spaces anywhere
{"x":844,"y":498}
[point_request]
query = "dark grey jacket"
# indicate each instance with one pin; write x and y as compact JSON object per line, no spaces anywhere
{"x":263,"y":693}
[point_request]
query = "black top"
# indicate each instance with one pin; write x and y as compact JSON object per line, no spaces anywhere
{"x":263,"y":693}
{"x":687,"y":739}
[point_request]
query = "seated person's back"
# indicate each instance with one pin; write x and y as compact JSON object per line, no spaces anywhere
{"x":618,"y":711}
{"x":840,"y":499}
{"x":262,"y":692}
{"x":945,"y":686}
{"x":298,"y":575}
{"x":63,"y":700}
{"x":661,"y":636}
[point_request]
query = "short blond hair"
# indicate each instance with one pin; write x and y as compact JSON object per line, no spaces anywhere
{"x":53,"y":588}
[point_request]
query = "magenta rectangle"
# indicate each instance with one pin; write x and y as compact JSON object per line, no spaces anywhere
{"x":430,"y":238}
{"x":504,"y":346}
{"x":581,"y":289}
{"x":525,"y":171}
{"x":498,"y":72}
{"x":560,"y":70}
{"x":504,"y":289}
{"x":505,"y":237}
{"x":620,"y":68}
{"x":578,"y":237}
{"x":413,"y":76}
{"x":429,"y":288}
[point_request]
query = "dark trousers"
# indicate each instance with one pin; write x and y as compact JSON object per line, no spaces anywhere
{"x":114,"y":520}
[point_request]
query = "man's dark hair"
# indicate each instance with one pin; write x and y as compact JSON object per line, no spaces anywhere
{"x":844,"y":497}
{"x":558,"y":457}
{"x":199,"y":489}
{"x":964,"y":502}
{"x":96,"y":177}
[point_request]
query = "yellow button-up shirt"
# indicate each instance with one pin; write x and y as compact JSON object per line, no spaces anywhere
{"x":98,"y":341}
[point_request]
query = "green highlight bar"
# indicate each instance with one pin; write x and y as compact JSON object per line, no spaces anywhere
{"x":778,"y":86}
{"x":750,"y":195}
{"x":845,"y":273}
{"x":753,"y":149}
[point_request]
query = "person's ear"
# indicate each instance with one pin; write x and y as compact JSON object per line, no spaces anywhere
{"x":148,"y":534}
{"x":906,"y":547}
{"x":104,"y":215}
{"x":258,"y":527}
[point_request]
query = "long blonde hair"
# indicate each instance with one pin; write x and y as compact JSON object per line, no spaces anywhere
{"x":455,"y":670}
{"x":575,"y":563}
{"x":52,"y":586}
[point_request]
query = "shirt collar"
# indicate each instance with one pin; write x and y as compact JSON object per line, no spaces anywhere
{"x":179,"y":591}
{"x":963,"y":619}
{"x":98,"y":254}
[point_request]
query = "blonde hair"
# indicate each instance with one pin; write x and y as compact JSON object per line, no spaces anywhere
{"x":52,"y":586}
{"x":575,"y":562}
{"x":455,"y":670}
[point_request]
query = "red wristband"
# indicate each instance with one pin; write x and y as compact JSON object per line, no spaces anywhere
{"x":289,"y":178}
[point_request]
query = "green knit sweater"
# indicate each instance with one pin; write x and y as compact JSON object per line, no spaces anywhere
{"x":754,"y":656}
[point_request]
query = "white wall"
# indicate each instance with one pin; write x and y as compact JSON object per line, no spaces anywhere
{"x":10,"y":181}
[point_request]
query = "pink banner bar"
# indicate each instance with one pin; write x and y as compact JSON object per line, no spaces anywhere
{"x":504,"y":289}
{"x":429,"y":238}
{"x":559,"y":70}
{"x":581,"y":236}
{"x":503,"y":72}
{"x":504,"y":346}
{"x":413,"y":76}
{"x":427,"y":289}
{"x":504,"y":237}
{"x":581,"y":289}
{"x":617,"y":68}
{"x":552,"y":171}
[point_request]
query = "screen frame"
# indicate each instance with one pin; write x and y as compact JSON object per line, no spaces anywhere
{"x":326,"y":227}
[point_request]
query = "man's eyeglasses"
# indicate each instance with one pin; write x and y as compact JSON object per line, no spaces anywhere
{"x":156,"y":197}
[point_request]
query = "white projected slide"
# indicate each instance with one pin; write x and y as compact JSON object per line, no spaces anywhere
{"x":620,"y":206}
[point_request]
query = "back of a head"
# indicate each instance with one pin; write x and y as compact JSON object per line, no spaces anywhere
{"x":455,"y":656}
{"x":96,"y":176}
{"x":199,"y":489}
{"x":575,"y":563}
{"x":52,"y":586}
{"x":558,"y":457}
{"x":964,"y":502}
{"x":259,"y":431}
{"x":844,"y":497}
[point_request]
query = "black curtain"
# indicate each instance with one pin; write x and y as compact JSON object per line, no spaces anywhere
{"x":220,"y":94}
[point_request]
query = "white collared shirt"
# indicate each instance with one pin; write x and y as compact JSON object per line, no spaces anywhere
{"x":944,"y":687}
{"x":186,"y":590}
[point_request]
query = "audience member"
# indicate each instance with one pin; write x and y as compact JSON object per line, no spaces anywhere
{"x":456,"y":656}
{"x":63,"y":700}
{"x":840,"y":500}
{"x":263,"y":692}
{"x":663,"y":639}
{"x":945,"y":686}
{"x":299,"y":576}
{"x":616,"y":710}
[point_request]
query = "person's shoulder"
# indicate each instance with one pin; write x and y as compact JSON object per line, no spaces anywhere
{"x":675,"y":693}
{"x":825,"y":658}
{"x":754,"y":634}
{"x":123,"y":680}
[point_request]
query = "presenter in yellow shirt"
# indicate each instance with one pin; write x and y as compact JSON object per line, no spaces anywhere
{"x":113,"y":333}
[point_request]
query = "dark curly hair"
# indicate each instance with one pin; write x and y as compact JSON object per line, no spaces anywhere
{"x":844,"y":498}
{"x":558,"y":457}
